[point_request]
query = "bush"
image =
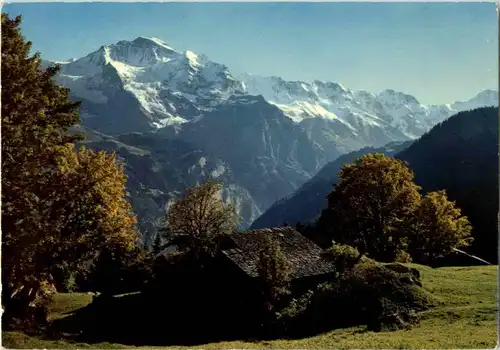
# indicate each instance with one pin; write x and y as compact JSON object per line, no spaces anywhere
{"x":370,"y":294}
{"x":403,"y":257}
{"x":383,"y":298}
{"x":296,"y":309}
{"x":343,"y":256}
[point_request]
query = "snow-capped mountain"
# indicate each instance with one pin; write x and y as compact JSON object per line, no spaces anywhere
{"x":270,"y":135}
{"x":484,"y":98}
{"x":355,"y":119}
{"x":144,"y":87}
{"x":164,"y":87}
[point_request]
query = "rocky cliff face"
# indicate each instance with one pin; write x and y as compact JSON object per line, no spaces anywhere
{"x":159,"y":170}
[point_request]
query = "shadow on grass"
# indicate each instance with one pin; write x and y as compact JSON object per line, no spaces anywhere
{"x":209,"y":308}
{"x":143,"y":319}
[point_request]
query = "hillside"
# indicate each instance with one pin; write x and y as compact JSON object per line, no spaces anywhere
{"x":132,"y":174}
{"x":306,"y":203}
{"x":459,"y":155}
{"x":160,"y":166}
{"x":465,"y":318}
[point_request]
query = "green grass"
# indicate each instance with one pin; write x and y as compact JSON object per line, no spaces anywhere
{"x":464,"y":318}
{"x":15,"y":340}
{"x":66,"y":303}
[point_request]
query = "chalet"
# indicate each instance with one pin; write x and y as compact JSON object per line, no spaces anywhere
{"x":307,"y":265}
{"x":226,"y":295}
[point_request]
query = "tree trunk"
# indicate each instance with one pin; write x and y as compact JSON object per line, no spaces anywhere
{"x":19,"y":311}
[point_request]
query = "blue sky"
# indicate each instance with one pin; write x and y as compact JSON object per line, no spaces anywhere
{"x":439,"y":52}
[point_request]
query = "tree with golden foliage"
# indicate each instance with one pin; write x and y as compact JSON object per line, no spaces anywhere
{"x":197,"y":221}
{"x":59,"y":207}
{"x":438,"y":228}
{"x":377,"y":208}
{"x":370,"y":206}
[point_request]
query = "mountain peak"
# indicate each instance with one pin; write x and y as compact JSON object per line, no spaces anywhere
{"x":139,"y":52}
{"x":390,"y":95}
{"x":146,"y":41}
{"x":486,"y":97}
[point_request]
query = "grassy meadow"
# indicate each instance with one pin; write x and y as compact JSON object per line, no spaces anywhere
{"x":465,"y":317}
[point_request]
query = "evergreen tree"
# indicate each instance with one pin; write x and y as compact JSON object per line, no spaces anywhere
{"x":59,"y":207}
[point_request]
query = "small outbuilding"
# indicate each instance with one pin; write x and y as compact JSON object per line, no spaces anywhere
{"x":308,"y":267}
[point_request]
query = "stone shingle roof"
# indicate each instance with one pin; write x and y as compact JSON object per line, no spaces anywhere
{"x":303,"y":256}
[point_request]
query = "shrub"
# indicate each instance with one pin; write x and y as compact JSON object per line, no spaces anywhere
{"x":343,"y":256}
{"x":370,"y":294}
{"x":383,"y":297}
{"x":403,"y":257}
{"x":290,"y":317}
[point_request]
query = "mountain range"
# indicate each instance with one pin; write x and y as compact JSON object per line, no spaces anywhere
{"x":263,"y":136}
{"x":459,"y":155}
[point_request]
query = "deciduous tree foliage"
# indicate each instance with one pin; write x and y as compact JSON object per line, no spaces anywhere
{"x":87,"y":209}
{"x":369,"y":207}
{"x":438,"y":228}
{"x":197,"y":221}
{"x":89,"y":204}
{"x":59,"y":207}
{"x":377,"y":208}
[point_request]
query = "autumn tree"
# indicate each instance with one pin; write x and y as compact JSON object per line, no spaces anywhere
{"x":59,"y":207}
{"x":36,"y":115}
{"x":89,"y":207}
{"x":197,"y":221}
{"x":370,"y":206}
{"x":273,"y":271}
{"x":438,"y":228}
